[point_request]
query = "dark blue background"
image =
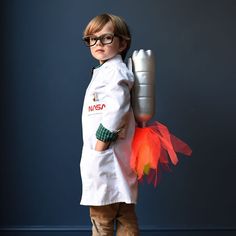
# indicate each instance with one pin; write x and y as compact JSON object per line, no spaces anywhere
{"x":45,"y":70}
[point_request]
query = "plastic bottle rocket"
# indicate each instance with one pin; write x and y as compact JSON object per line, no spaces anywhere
{"x":153,"y":145}
{"x":142,"y":64}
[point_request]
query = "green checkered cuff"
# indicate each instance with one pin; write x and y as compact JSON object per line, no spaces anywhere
{"x":106,"y":135}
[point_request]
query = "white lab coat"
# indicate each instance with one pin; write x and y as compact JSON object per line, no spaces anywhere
{"x":106,"y":176}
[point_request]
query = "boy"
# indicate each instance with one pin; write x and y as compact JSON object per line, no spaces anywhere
{"x":109,"y":184}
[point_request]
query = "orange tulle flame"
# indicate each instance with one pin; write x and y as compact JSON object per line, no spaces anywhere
{"x":152,"y":147}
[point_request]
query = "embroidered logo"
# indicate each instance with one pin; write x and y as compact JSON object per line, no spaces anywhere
{"x":97,"y":107}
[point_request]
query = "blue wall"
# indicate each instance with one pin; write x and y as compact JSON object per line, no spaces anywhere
{"x":45,"y":69}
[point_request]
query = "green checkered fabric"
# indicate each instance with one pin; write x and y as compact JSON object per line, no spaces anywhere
{"x":106,"y":135}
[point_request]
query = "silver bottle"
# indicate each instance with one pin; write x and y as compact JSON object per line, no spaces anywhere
{"x":142,"y":64}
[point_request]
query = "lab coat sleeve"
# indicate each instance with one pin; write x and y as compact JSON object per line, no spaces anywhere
{"x":119,"y":83}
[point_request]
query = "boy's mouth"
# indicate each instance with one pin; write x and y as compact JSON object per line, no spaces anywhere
{"x":99,"y":50}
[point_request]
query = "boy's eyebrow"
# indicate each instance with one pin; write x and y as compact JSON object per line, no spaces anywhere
{"x":100,"y":34}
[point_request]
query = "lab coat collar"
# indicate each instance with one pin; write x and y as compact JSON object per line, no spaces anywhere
{"x":114,"y":60}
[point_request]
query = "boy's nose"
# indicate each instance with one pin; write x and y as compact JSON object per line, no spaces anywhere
{"x":99,"y":43}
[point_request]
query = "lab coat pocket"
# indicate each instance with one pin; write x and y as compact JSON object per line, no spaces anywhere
{"x":99,"y":168}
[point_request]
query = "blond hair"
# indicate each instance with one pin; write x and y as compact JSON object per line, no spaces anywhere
{"x":121,"y":29}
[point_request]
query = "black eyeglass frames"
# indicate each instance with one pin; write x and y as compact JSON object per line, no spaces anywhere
{"x":91,"y":40}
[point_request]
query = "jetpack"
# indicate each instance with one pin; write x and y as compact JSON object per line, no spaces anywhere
{"x":154,"y":148}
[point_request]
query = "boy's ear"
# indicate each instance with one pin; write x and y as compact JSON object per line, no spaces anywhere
{"x":123,"y":45}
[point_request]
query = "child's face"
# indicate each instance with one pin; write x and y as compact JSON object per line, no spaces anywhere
{"x":104,"y":52}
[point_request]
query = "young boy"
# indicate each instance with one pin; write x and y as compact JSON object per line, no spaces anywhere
{"x":109,"y":184}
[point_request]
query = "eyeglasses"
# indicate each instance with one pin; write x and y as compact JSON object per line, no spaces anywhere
{"x":91,"y":40}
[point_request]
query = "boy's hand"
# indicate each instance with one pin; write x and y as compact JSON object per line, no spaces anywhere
{"x":101,"y":146}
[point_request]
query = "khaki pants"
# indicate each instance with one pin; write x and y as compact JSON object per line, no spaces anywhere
{"x":105,"y":217}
